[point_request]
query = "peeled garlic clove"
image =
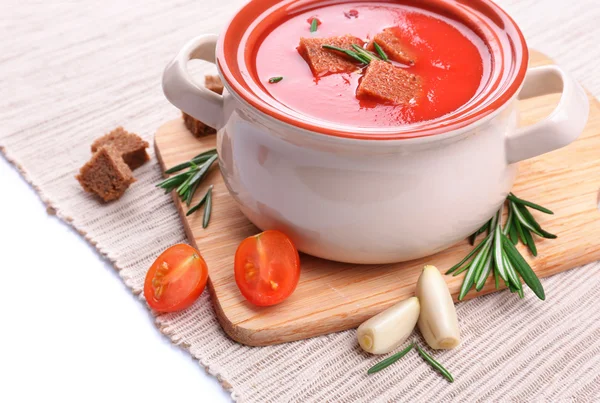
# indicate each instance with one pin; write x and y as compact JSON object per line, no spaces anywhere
{"x":390,"y":328}
{"x":438,"y":323}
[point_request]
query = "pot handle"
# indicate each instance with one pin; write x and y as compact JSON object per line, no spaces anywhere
{"x":564,"y":124}
{"x":183,"y":92}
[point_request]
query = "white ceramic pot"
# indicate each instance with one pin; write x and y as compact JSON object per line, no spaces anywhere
{"x":348,"y":195}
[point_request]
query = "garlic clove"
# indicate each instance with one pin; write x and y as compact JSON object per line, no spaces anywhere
{"x":438,"y":322}
{"x":390,"y":328}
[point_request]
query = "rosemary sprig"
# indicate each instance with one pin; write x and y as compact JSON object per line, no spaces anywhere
{"x":207,"y":208}
{"x":380,"y":51}
{"x":522,"y":202}
{"x":357,"y":57}
{"x":390,"y":360}
{"x":428,"y":359}
{"x":197,"y":160}
{"x":497,"y":253}
{"x":370,"y":56}
{"x":206,"y":201}
{"x":456,"y":266}
{"x":314,"y":25}
{"x":187,"y":183}
{"x":274,"y":80}
{"x":436,"y":365}
{"x":481,"y":230}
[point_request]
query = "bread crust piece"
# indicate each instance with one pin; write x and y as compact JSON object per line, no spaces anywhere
{"x":195,"y":126}
{"x":392,"y":46}
{"x":214,"y":84}
{"x":323,"y":62}
{"x":130,"y":146}
{"x":106,"y":174}
{"x":387,"y":83}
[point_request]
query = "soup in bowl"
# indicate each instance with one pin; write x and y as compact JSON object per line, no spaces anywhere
{"x":373,"y":131}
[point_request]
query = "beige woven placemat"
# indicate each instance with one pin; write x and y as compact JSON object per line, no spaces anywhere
{"x":72,"y":71}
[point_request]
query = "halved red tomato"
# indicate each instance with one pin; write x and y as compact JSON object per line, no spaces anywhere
{"x":267,"y":268}
{"x":176,"y":279}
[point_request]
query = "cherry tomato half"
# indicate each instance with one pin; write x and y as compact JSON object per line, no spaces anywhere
{"x":267,"y":268}
{"x":176,"y":279}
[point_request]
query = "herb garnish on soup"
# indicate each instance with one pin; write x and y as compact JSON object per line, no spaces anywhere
{"x":375,"y":64}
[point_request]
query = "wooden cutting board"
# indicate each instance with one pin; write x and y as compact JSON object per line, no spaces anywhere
{"x":332,"y":296}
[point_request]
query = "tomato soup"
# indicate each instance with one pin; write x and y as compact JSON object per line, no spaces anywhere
{"x":451,"y":64}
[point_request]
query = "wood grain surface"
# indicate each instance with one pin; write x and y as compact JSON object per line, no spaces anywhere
{"x":334,"y":296}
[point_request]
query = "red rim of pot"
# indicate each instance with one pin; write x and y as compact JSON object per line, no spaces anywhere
{"x":505,"y":42}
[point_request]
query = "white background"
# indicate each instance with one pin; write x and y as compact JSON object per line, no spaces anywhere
{"x":125,"y":359}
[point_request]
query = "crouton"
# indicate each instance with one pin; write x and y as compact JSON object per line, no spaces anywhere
{"x":106,"y":174}
{"x":198,"y":128}
{"x":387,"y":83}
{"x":130,"y":146}
{"x":392,"y":46}
{"x":214,"y":84}
{"x":323,"y":62}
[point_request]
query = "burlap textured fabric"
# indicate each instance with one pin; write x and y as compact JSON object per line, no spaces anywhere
{"x":71,"y":72}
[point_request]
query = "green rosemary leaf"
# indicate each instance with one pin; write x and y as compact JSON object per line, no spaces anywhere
{"x":496,"y":278}
{"x":185,"y":185}
{"x":520,"y":293}
{"x":197,"y":206}
{"x":474,"y":269}
{"x":380,"y":51}
{"x":207,"y":153}
{"x":462,"y":269}
{"x":484,"y":272}
{"x":482,"y":229}
{"x":524,"y":270}
{"x":513,"y":278}
{"x":548,"y":235}
{"x":314,"y":24}
{"x":197,"y":178}
{"x":435,"y":365}
{"x":530,"y":242}
{"x":494,"y":221}
{"x":456,"y":266}
{"x":362,"y":52}
{"x":509,"y":220}
{"x":498,"y":254}
{"x":513,"y":234}
{"x":364,"y":59}
{"x":174,"y":181}
{"x":347,"y":52}
{"x":528,"y":223}
{"x":190,"y":193}
{"x":198,"y":160}
{"x":390,"y":360}
{"x":520,"y":232}
{"x":527,"y":219}
{"x":207,"y":207}
{"x":522,"y":202}
{"x":468,"y":280}
{"x":274,"y":80}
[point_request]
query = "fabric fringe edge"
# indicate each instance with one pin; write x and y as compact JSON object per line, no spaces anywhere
{"x":51,"y":209}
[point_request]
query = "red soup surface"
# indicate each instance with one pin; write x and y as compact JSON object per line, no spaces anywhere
{"x":451,"y":62}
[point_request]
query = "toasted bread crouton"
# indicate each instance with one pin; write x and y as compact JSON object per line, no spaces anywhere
{"x":130,"y":146}
{"x":387,"y":83}
{"x":195,"y":126}
{"x":323,"y":62}
{"x":198,"y":128}
{"x":106,"y":174}
{"x":392,"y":46}
{"x":214,"y":84}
